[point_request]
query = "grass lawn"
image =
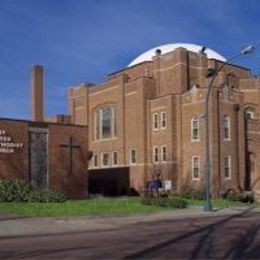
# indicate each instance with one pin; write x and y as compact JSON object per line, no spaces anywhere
{"x":99,"y":206}
{"x":93,"y":206}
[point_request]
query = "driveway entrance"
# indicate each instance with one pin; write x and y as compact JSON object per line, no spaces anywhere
{"x":109,"y":182}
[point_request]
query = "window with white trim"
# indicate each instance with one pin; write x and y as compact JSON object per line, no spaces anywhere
{"x":195,"y":165}
{"x":249,"y":113}
{"x":133,"y":156}
{"x":105,"y":159}
{"x":95,"y":160}
{"x":105,"y":123}
{"x":226,"y":128}
{"x":155,"y":154}
{"x":163,"y":120}
{"x":194,"y":128}
{"x":155,"y":121}
{"x":114,"y":158}
{"x":227,"y":167}
{"x":163,"y":154}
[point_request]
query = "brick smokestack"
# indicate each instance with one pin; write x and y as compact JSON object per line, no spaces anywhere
{"x":37,"y":93}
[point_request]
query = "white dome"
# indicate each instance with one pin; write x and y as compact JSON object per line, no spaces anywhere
{"x":148,"y":55}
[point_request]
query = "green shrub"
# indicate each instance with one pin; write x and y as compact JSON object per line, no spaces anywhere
{"x":193,"y":194}
{"x":53,"y":196}
{"x":165,"y":202}
{"x":34,"y":196}
{"x":47,"y":197}
{"x":20,"y":191}
{"x":17,"y":191}
{"x":243,"y":197}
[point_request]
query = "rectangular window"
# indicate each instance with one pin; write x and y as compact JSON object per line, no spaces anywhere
{"x":133,"y":156}
{"x":105,"y":159}
{"x":106,"y":119}
{"x":163,"y":120}
{"x":155,"y":154}
{"x":226,"y":128}
{"x":195,"y":167}
{"x":95,"y":160}
{"x":155,"y":121}
{"x":114,"y":158}
{"x":163,"y":154}
{"x":97,"y":124}
{"x":227,"y":167}
{"x":194,"y":128}
{"x":115,"y":121}
{"x":195,"y":134}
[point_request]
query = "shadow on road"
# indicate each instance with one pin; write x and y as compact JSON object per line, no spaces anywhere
{"x":238,"y":243}
{"x":7,"y":217}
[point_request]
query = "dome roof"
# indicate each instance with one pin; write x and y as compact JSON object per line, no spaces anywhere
{"x":148,"y":55}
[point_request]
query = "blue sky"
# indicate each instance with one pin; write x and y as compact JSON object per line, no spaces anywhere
{"x":84,"y":40}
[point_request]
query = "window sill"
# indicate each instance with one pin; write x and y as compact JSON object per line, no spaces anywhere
{"x":106,"y":166}
{"x":195,"y":140}
{"x":226,"y":140}
{"x":156,"y":162}
{"x":163,"y":162}
{"x":227,"y":178}
{"x":105,"y":140}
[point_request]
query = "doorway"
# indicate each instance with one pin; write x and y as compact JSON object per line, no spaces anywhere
{"x":109,"y":182}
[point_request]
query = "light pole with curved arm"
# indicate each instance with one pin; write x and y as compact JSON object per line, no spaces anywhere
{"x":213,"y":73}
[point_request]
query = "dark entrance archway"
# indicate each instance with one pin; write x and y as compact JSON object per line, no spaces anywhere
{"x":110,"y":181}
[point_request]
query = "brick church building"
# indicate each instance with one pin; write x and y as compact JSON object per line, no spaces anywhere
{"x":147,"y":120}
{"x":143,"y":122}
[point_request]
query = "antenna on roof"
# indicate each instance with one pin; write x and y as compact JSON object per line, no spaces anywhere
{"x":202,"y":50}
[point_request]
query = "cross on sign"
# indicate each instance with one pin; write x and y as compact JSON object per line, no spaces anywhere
{"x":70,"y":146}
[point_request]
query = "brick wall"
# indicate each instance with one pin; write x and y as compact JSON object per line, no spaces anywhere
{"x":15,"y":165}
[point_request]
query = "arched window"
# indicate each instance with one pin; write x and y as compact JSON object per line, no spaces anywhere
{"x":249,"y":113}
{"x":194,"y":128}
{"x":105,"y":123}
{"x":226,"y":128}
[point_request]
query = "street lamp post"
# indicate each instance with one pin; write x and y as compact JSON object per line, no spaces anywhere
{"x":212,"y":74}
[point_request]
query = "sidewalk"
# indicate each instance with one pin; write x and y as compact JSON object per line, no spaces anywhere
{"x":16,"y":226}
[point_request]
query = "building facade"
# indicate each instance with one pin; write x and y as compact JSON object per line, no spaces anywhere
{"x":147,"y":120}
{"x":39,"y":153}
{"x":52,"y":155}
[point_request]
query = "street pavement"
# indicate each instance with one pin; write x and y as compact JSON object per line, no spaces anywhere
{"x":180,"y":234}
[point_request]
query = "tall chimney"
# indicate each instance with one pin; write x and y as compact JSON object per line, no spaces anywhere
{"x":37,"y":93}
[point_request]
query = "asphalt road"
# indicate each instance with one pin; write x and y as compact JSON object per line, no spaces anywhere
{"x":217,"y":237}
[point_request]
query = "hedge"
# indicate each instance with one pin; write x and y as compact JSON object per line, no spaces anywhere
{"x":21,"y":191}
{"x":166,"y":202}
